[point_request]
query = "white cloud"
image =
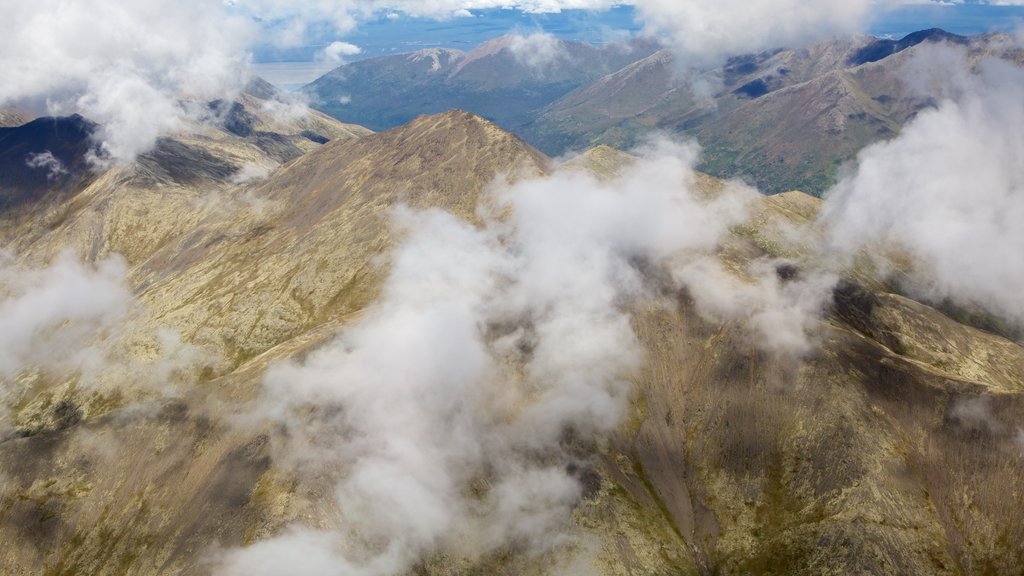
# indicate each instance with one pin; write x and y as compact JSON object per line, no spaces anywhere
{"x":46,"y":161}
{"x":123,"y":64}
{"x":780,"y":315}
{"x":703,"y":31}
{"x":79,"y":325}
{"x":51,"y":315}
{"x":335,"y":52}
{"x":949,"y":191}
{"x":486,"y":345}
{"x":538,"y":51}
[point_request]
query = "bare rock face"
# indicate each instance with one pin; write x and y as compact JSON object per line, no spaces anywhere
{"x":889,"y":448}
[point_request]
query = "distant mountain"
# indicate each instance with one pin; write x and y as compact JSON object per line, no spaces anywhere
{"x":507,"y":80}
{"x":46,"y":155}
{"x":782,"y":119}
{"x":884,"y":47}
{"x":92,"y":208}
{"x":48,"y":158}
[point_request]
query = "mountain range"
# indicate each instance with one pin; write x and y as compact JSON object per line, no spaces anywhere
{"x":258,"y":239}
{"x":505,"y":79}
{"x":785,"y":119}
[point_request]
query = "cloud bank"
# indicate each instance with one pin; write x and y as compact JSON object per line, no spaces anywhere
{"x":122,"y":64}
{"x":51,"y":315}
{"x":457,"y":408}
{"x":949,"y":191}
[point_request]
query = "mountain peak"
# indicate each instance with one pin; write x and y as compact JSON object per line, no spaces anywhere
{"x":882,"y":47}
{"x":443,"y":160}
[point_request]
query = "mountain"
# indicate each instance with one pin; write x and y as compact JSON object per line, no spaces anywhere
{"x":506,"y":80}
{"x":885,"y":47}
{"x":782,"y":119}
{"x":43,"y":156}
{"x":862,"y":458}
{"x":49,"y":158}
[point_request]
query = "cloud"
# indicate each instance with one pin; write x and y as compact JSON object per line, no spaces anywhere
{"x":46,"y":161}
{"x":975,"y":412}
{"x":123,"y":64}
{"x":77,"y":328}
{"x":52,"y":315}
{"x":451,"y":406}
{"x":710,"y":30}
{"x":697,"y":28}
{"x":779,"y":312}
{"x":538,"y":51}
{"x":949,"y":191}
{"x":335,"y":52}
{"x":129,"y":65}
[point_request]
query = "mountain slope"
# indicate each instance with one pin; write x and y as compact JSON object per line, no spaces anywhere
{"x":783,"y":119}
{"x":504,"y":80}
{"x":251,"y":282}
{"x":11,"y":117}
{"x":858,"y":459}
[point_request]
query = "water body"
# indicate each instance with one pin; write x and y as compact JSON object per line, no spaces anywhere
{"x":383,"y":35}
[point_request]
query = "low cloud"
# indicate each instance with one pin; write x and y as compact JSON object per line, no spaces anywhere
{"x":52,"y":315}
{"x":975,"y":413}
{"x":779,"y":305}
{"x":122,"y":64}
{"x":336,"y":52}
{"x":705,"y":32}
{"x":940,"y":206}
{"x":78,"y":327}
{"x":46,"y":161}
{"x":456,"y":408}
{"x":539,"y":51}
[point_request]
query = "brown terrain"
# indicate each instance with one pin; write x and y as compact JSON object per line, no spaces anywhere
{"x":858,"y":459}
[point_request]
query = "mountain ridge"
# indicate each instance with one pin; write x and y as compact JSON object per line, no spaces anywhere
{"x":731,"y":460}
{"x":525,"y":71}
{"x":868,"y":102}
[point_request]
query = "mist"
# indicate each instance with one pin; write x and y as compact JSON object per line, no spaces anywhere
{"x":458,"y":411}
{"x":51,"y":314}
{"x":938,"y":209}
{"x":78,"y":327}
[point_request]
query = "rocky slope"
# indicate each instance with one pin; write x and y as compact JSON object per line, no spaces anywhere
{"x":889,"y":449}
